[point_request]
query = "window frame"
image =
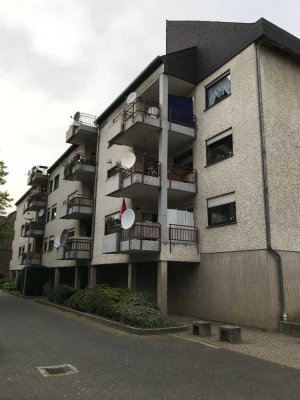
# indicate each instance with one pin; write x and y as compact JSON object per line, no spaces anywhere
{"x":56,"y":182}
{"x":48,"y":215}
{"x":53,"y":210}
{"x":230,"y":133}
{"x":50,"y":187}
{"x":45,"y":246}
{"x":211,"y":84}
{"x":232,"y":222}
{"x":51,"y":243}
{"x":106,"y":229}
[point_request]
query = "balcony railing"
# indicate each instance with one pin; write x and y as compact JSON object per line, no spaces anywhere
{"x":85,"y":119}
{"x":77,"y":245}
{"x":35,"y":202}
{"x":141,"y":231}
{"x":34,"y":228}
{"x":79,"y":158}
{"x":183,"y":233}
{"x":143,"y":166}
{"x":143,"y":107}
{"x":182,"y":117}
{"x":182,"y":174}
{"x":33,"y":259}
{"x":79,"y":200}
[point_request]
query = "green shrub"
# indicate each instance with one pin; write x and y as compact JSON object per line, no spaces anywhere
{"x":140,"y":316}
{"x":138,"y":299}
{"x":2,"y":281}
{"x":78,"y":300}
{"x":60,"y":294}
{"x":9,"y":286}
{"x":35,"y":280}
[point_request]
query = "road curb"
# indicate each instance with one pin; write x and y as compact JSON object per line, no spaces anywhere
{"x":116,"y":325}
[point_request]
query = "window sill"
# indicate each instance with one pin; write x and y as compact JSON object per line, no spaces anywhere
{"x":224,"y":98}
{"x":218,"y":226}
{"x":216,"y":162}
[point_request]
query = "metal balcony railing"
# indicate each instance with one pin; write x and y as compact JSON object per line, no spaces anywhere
{"x":75,"y":244}
{"x":182,"y":117}
{"x":79,"y":200}
{"x":141,"y":106}
{"x":32,"y":226}
{"x":85,"y":119}
{"x":142,"y":231}
{"x":183,"y":233}
{"x":182,"y":174}
{"x":143,"y":166}
{"x":79,"y":158}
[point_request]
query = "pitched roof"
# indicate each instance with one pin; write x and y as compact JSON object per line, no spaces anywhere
{"x":218,"y":42}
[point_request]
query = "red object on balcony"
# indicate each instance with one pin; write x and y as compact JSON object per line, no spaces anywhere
{"x":123,"y":208}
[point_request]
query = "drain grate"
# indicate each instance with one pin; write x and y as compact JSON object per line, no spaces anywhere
{"x":57,"y":370}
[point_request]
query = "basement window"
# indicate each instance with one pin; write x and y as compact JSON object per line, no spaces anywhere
{"x":219,"y":147}
{"x":221,"y":210}
{"x":218,"y":90}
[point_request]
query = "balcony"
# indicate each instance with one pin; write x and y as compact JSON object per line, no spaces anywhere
{"x":81,"y":167}
{"x":141,"y":123}
{"x":141,"y":237}
{"x":78,"y":207}
{"x":183,"y":234}
{"x":34,"y":229}
{"x":142,"y":180}
{"x":76,"y":248}
{"x":36,"y":202}
{"x":83,"y":130}
{"x":182,"y":182}
{"x":37,"y":176}
{"x":33,"y":259}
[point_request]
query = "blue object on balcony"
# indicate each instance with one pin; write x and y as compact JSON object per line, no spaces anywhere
{"x":181,"y":109}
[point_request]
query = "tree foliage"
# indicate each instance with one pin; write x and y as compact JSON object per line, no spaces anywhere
{"x":4,"y":202}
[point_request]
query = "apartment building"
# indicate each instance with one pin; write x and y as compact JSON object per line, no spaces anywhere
{"x":203,"y":147}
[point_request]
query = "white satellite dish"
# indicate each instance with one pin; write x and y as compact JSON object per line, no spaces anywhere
{"x":128,"y":160}
{"x":76,"y":116}
{"x":41,"y":212}
{"x":29,"y":173}
{"x":128,"y":218}
{"x":63,"y":237}
{"x":130,"y":98}
{"x":57,"y":242}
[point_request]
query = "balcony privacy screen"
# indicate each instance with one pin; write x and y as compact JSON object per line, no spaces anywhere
{"x":180,"y":103}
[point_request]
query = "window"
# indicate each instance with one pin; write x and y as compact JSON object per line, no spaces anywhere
{"x":218,"y":90}
{"x":71,"y":233}
{"x":53,"y":212}
{"x":51,"y":243}
{"x":45,"y":244}
{"x":48,"y":215}
{"x":20,"y":251}
{"x":221,"y":210}
{"x":56,"y":182}
{"x":219,"y":147}
{"x":112,"y":223}
{"x":22,"y":230}
{"x":50,"y":185}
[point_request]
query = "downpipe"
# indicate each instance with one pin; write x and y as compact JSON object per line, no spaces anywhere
{"x":274,"y":253}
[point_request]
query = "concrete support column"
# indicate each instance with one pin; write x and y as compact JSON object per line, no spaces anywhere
{"x":93,"y":276}
{"x":162,"y":286}
{"x":163,"y":157}
{"x":57,"y":277}
{"x":131,"y":276}
{"x":77,"y":280}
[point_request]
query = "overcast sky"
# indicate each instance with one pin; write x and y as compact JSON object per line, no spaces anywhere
{"x":61,"y":56}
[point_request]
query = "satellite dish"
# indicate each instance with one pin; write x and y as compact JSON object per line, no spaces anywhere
{"x":128,"y":218}
{"x":41,"y":212}
{"x":57,"y":242}
{"x":63,"y":237}
{"x":128,"y":160}
{"x":76,"y":116}
{"x":130,"y":98}
{"x":29,"y":172}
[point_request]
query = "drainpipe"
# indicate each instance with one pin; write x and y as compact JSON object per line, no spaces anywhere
{"x":275,"y":254}
{"x":94,"y":207}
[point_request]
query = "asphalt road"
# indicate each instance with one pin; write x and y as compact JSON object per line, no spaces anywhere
{"x":116,"y":365}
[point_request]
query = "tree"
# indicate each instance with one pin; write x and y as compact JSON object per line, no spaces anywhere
{"x":4,"y":202}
